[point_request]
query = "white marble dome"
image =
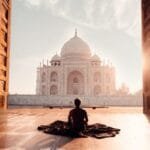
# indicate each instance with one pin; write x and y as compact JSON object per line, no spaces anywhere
{"x":76,"y":47}
{"x":95,"y":57}
{"x":56,"y":57}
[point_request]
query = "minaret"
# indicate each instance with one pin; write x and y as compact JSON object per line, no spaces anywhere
{"x":76,"y":32}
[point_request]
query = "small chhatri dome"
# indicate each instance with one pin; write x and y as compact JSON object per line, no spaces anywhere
{"x":56,"y":57}
{"x":95,"y":57}
{"x":76,"y":47}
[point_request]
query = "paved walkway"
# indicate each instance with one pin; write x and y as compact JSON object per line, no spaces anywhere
{"x":18,"y":130}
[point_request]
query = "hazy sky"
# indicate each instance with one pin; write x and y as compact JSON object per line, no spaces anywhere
{"x":40,"y":27}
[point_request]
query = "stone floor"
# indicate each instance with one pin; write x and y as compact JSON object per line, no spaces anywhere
{"x":18,"y":130}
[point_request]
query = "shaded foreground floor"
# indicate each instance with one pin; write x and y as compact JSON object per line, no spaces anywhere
{"x":18,"y":130}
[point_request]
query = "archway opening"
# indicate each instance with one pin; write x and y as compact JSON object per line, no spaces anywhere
{"x":75,"y":83}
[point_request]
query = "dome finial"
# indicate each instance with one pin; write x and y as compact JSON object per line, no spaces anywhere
{"x":76,"y":33}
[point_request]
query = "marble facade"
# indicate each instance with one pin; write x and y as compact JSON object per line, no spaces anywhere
{"x":75,"y":72}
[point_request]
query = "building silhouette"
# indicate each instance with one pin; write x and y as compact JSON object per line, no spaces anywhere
{"x":75,"y":72}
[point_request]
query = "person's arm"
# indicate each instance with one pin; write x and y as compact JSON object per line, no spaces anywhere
{"x":69,"y":117}
{"x":86,"y":117}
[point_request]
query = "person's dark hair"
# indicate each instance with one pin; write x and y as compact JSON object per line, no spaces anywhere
{"x":77,"y":102}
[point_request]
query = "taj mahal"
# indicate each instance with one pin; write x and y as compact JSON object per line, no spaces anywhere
{"x":75,"y":72}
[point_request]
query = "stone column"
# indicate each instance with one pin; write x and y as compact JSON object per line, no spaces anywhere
{"x":146,"y":54}
{"x":5,"y":27}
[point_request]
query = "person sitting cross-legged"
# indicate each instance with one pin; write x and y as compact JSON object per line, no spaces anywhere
{"x":77,"y":118}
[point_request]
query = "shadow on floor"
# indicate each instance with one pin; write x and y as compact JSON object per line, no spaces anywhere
{"x":51,"y":143}
{"x":148,"y":117}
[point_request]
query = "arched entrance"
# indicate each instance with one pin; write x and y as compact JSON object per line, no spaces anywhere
{"x":53,"y":90}
{"x":75,"y":83}
{"x":53,"y":77}
{"x":146,"y":83}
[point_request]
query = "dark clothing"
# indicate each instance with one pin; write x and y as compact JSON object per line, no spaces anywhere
{"x":78,"y":119}
{"x":63,"y":128}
